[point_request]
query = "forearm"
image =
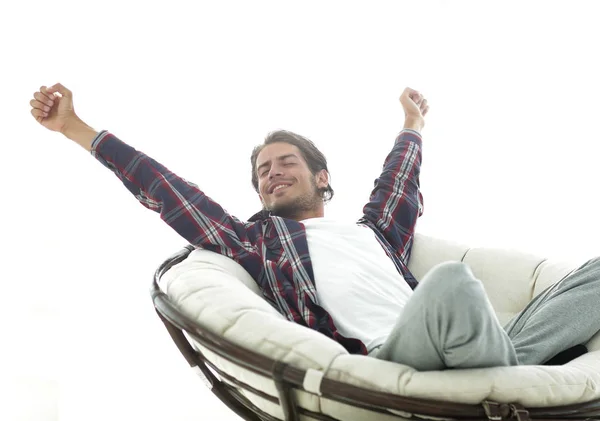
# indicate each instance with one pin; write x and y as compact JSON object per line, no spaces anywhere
{"x":80,"y":133}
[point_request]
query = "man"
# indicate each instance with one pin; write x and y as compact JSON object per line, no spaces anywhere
{"x":348,"y":281}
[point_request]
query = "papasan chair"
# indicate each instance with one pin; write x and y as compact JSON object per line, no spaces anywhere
{"x":265,"y":367}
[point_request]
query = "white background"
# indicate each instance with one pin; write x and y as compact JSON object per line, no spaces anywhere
{"x":510,"y":157}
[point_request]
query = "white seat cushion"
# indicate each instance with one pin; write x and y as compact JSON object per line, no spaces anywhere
{"x":220,"y":295}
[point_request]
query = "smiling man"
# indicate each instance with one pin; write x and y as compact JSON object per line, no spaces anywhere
{"x":282,"y":174}
{"x":348,"y":281}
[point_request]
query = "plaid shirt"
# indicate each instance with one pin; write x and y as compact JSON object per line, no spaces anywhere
{"x":272,"y":249}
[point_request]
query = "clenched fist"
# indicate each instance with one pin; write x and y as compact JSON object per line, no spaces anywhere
{"x":415,"y":105}
{"x":52,"y":107}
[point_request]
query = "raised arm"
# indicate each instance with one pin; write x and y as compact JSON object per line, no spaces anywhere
{"x":396,"y":202}
{"x":181,"y":204}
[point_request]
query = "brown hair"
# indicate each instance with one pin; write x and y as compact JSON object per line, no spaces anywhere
{"x":314,"y":157}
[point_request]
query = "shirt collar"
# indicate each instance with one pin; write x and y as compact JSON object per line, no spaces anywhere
{"x":260,"y":216}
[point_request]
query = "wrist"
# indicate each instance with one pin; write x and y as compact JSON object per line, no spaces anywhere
{"x":72,"y":127}
{"x":414,"y":123}
{"x":79,"y":132}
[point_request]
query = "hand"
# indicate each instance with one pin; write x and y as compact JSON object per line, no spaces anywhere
{"x":53,"y":108}
{"x":415,"y":106}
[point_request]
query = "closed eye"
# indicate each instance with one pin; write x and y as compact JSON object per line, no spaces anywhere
{"x":287,"y":164}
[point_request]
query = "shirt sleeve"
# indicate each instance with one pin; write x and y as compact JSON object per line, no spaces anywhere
{"x":396,"y":201}
{"x":181,"y":204}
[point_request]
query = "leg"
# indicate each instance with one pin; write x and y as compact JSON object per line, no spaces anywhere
{"x":564,"y":315}
{"x":448,"y":323}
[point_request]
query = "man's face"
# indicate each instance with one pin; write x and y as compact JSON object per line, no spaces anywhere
{"x":285,"y":184}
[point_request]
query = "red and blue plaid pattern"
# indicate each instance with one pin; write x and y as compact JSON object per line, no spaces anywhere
{"x":274,"y":250}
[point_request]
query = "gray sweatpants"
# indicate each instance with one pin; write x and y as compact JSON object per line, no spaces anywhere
{"x":449,"y":322}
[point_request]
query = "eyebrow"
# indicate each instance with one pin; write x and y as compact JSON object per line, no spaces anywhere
{"x":279,"y":158}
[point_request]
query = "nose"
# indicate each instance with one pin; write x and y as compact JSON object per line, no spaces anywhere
{"x":275,"y":171}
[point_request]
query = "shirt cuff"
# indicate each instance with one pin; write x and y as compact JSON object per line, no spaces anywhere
{"x":99,"y":137}
{"x":411,"y":131}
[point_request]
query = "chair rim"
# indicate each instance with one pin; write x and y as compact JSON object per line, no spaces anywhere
{"x":288,"y":378}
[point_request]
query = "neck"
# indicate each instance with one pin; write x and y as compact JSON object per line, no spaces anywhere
{"x":319,"y":213}
{"x":300,"y":214}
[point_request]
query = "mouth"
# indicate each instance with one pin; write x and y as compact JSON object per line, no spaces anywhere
{"x":279,"y":188}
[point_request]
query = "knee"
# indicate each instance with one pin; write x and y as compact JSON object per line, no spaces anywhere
{"x":451,"y":270}
{"x":451,"y":265}
{"x":448,"y":275}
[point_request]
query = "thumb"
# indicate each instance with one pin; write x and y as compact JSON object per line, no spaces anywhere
{"x":60,"y":89}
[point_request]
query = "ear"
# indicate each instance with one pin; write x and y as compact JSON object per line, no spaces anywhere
{"x":322,"y":179}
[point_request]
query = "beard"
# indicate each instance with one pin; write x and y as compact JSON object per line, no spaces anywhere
{"x":297,"y":206}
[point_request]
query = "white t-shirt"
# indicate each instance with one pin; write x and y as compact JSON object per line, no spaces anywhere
{"x":357,"y":283}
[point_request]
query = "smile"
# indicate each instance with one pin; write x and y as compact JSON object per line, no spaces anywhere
{"x":280,"y":188}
